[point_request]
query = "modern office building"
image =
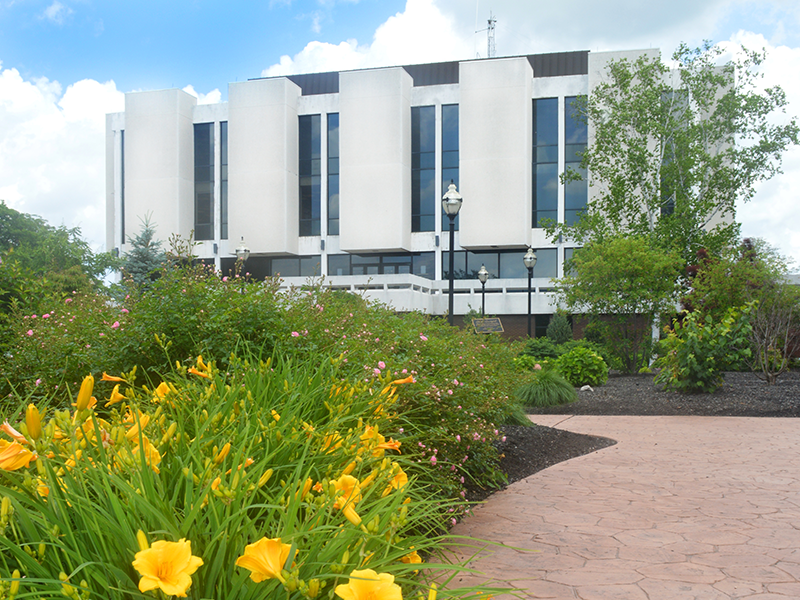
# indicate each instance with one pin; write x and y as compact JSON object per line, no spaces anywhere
{"x":341,"y":175}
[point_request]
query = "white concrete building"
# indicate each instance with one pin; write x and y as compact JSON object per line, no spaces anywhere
{"x":341,"y":175}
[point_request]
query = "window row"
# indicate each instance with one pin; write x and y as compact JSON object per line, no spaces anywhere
{"x":204,"y":179}
{"x":546,"y":181}
{"x":425,"y":168}
{"x":501,"y":264}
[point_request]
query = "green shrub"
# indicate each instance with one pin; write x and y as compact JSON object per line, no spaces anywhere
{"x":546,"y":388}
{"x":581,"y":366}
{"x":541,"y":347}
{"x":525,"y":362}
{"x":696,"y":351}
{"x":600,"y":349}
{"x":559,"y":330}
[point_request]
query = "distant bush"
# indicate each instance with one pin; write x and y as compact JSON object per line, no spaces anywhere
{"x":546,"y":388}
{"x":581,"y":366}
{"x":696,"y":351}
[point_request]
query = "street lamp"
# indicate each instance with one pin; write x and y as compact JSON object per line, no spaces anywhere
{"x":242,"y":253}
{"x":451,"y":203}
{"x":530,"y":261}
{"x":483,"y":276}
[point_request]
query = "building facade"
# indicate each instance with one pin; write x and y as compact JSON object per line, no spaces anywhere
{"x":341,"y":175}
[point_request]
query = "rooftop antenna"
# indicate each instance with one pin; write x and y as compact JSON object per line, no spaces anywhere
{"x":490,"y":45}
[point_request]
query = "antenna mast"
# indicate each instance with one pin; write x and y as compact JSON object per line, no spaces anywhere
{"x":490,"y":36}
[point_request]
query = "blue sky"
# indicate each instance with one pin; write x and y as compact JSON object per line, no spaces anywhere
{"x":65,"y":63}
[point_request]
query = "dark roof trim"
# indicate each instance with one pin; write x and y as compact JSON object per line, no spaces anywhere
{"x":554,"y":64}
{"x":558,"y":64}
{"x":312,"y":84}
{"x":442,"y":73}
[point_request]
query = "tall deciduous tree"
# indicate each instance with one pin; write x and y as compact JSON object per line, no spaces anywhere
{"x":671,"y":150}
{"x":626,"y":281}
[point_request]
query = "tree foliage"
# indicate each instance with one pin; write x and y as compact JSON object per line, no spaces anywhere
{"x":672,"y":150}
{"x":40,"y":261}
{"x":627,"y":281}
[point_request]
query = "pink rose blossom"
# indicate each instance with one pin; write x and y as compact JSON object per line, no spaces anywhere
{"x":38,"y":381}
{"x":295,"y":334}
{"x":381,"y":364}
{"x":433,"y":460}
{"x":376,"y":371}
{"x":125,"y":310}
{"x":67,"y":300}
{"x":115,"y":325}
{"x":423,"y":338}
{"x":30,"y":332}
{"x":46,"y":316}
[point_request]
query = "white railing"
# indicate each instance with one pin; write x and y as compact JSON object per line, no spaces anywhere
{"x":410,"y":292}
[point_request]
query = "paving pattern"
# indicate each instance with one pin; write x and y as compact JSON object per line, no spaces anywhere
{"x":681,"y":508}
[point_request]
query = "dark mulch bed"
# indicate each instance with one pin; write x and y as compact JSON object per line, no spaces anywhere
{"x":531,"y":449}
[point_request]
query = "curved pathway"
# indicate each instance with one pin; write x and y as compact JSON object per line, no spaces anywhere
{"x":681,"y":508}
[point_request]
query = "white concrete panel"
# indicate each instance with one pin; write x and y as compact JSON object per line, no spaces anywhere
{"x":495,"y":134}
{"x":159,"y":162}
{"x":375,"y":154}
{"x":111,"y":213}
{"x":262,"y":158}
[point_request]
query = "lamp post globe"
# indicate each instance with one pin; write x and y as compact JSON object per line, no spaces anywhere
{"x":451,"y":204}
{"x":530,"y":261}
{"x":483,"y":277}
{"x":242,"y":253}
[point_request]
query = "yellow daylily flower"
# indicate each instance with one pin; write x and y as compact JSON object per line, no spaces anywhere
{"x":167,"y":566}
{"x":369,"y":585}
{"x":265,"y":559}
{"x":7,"y":428}
{"x":107,"y":377}
{"x":14,"y":456}
{"x":115,"y":396}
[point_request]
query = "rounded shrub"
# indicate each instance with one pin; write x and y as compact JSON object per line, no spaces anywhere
{"x":541,"y":347}
{"x":546,"y":388}
{"x":581,"y":366}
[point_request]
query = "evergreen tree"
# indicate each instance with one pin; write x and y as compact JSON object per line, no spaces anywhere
{"x":559,"y":330}
{"x":145,"y":258}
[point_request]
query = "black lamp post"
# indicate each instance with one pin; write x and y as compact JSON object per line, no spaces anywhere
{"x":451,"y":203}
{"x":530,"y":261}
{"x":242,"y":253}
{"x":483,"y":276}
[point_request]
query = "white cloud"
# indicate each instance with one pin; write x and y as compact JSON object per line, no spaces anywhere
{"x":212,"y":97}
{"x":419,"y":34}
{"x":53,"y":149}
{"x":56,"y":13}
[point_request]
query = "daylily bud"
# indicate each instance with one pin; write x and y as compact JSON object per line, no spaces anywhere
{"x":432,"y":593}
{"x":14,"y":589}
{"x":313,"y":588}
{"x":265,"y":478}
{"x":222,"y":453}
{"x":33,"y":422}
{"x":141,"y":538}
{"x":5,"y":507}
{"x":85,"y":394}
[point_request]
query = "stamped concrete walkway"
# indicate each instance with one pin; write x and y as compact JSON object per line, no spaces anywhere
{"x":681,"y":508}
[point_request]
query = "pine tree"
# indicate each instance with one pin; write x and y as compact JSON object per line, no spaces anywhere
{"x":145,"y":258}
{"x":559,"y":330}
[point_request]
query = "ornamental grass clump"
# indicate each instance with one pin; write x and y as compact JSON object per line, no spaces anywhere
{"x":546,"y":388}
{"x":276,"y":478}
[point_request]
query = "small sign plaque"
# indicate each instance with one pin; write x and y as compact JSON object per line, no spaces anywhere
{"x":488,"y":325}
